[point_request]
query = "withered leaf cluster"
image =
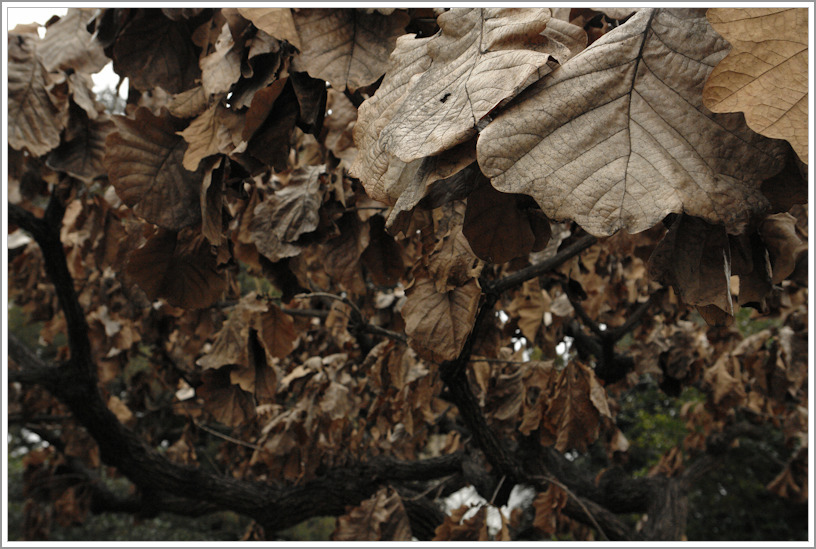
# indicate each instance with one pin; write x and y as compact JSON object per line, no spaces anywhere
{"x":332,"y":235}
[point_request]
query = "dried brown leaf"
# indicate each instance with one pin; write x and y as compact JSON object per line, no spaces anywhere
{"x":617,"y":137}
{"x":276,"y":22}
{"x":221,"y":68}
{"x":765,"y":75}
{"x":179,"y":268}
{"x":381,"y":517}
{"x":36,"y":116}
{"x":144,"y":162}
{"x":346,"y":47}
{"x":69,"y":45}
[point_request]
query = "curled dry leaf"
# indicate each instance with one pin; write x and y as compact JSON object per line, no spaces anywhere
{"x":69,"y":45}
{"x":178,"y":267}
{"x":287,"y":214}
{"x":548,"y":506}
{"x":211,"y":133}
{"x":695,"y":258}
{"x":144,"y":159}
{"x":617,"y":137}
{"x":154,"y":51}
{"x":36,"y":116}
{"x":456,"y":528}
{"x":765,"y":75}
{"x":480,"y":58}
{"x":346,"y":47}
{"x":785,"y":248}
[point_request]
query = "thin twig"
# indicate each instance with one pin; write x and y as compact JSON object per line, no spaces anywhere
{"x":227,"y":437}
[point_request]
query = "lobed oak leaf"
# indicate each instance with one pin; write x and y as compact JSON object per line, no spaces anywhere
{"x":346,"y":47}
{"x":69,"y":45}
{"x":154,"y":51}
{"x":480,"y":58}
{"x":36,"y":115}
{"x":765,"y":75}
{"x":178,"y":267}
{"x":437,"y":323}
{"x":144,"y":159}
{"x":617,"y":137}
{"x":381,"y":517}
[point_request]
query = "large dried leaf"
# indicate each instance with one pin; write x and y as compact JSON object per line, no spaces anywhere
{"x":346,"y":47}
{"x":282,"y":217}
{"x":438,"y":323}
{"x":35,"y":115}
{"x":69,"y":45}
{"x":480,"y":58}
{"x":277,"y":331}
{"x":695,"y":258}
{"x":152,"y":50}
{"x":617,"y":137}
{"x":548,"y":506}
{"x":276,"y":22}
{"x":144,"y":160}
{"x":456,"y":528}
{"x":765,"y":75}
{"x":785,"y":247}
{"x":179,"y":268}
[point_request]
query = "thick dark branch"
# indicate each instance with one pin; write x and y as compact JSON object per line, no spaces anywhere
{"x":46,"y":232}
{"x":521,"y":276}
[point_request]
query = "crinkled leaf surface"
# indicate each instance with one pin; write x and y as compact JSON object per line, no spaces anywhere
{"x":346,"y":47}
{"x":82,"y":156}
{"x":479,"y":58}
{"x":69,"y":45}
{"x":765,"y":75}
{"x":209,"y":134}
{"x":35,"y":115}
{"x":617,"y":137}
{"x":221,"y":68}
{"x":144,"y":160}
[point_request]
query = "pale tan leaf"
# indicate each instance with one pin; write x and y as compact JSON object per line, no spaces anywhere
{"x":346,"y":47}
{"x":183,"y":270}
{"x":230,"y":345}
{"x":144,"y":162}
{"x":617,"y":137}
{"x":381,"y":517}
{"x":765,"y":75}
{"x":480,"y":58}
{"x":617,"y":13}
{"x":69,"y":45}
{"x":227,"y":403}
{"x":221,"y":68}
{"x":438,"y":323}
{"x":276,"y":22}
{"x":35,"y":115}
